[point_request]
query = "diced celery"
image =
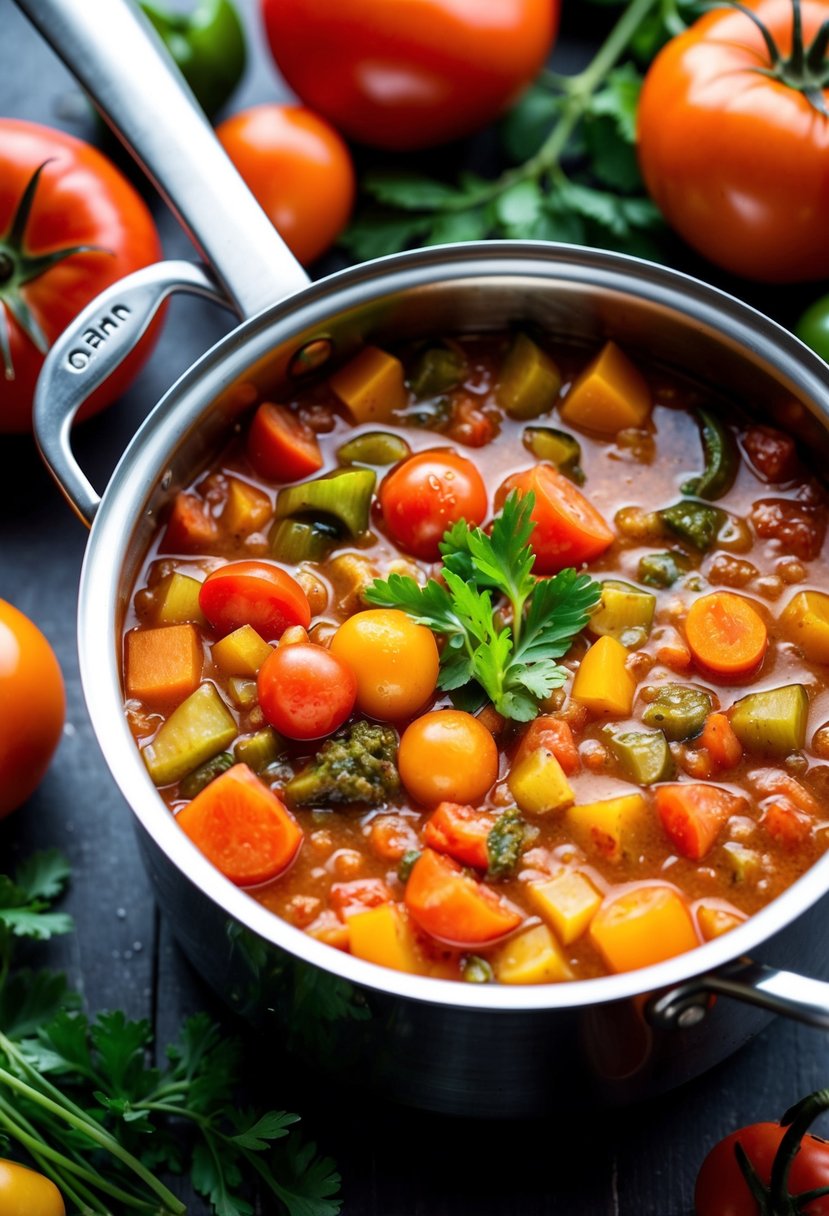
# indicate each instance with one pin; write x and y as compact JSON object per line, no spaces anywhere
{"x":297,"y":540}
{"x":438,"y":370}
{"x":557,"y":447}
{"x":624,"y":613}
{"x":177,"y":601}
{"x":201,"y":777}
{"x":344,"y":497}
{"x":241,"y":653}
{"x":529,"y":381}
{"x":377,"y":448}
{"x":644,"y":755}
{"x":259,"y":750}
{"x":679,"y":710}
{"x":200,"y":728}
{"x":773,"y":722}
{"x":243,"y":693}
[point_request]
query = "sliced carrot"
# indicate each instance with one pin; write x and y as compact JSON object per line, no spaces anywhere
{"x":776,"y":781}
{"x":391,"y":836}
{"x":163,"y":665}
{"x":787,"y":826}
{"x":349,"y":897}
{"x":280,"y":446}
{"x":555,"y":736}
{"x":719,"y":740}
{"x":693,"y":814}
{"x":727,"y":636}
{"x":242,"y":827}
{"x":247,"y":508}
{"x":643,"y":925}
{"x":191,"y":528}
{"x":451,"y":906}
{"x":460,"y":831}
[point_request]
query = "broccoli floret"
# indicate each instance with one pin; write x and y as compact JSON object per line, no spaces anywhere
{"x":507,"y":840}
{"x":358,"y":765}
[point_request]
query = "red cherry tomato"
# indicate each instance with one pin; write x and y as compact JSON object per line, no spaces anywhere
{"x":428,"y":493}
{"x":409,"y":73}
{"x":722,"y":1190}
{"x":299,"y":169}
{"x":305,"y":691}
{"x":254,"y":593}
{"x":568,"y":530}
{"x":80,"y":200}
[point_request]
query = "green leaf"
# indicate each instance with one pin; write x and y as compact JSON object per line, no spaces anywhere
{"x":121,"y":1046}
{"x":43,"y":875}
{"x":619,"y":99}
{"x":558,"y":223}
{"x":451,"y":226}
{"x":430,"y":605}
{"x":374,"y":235}
{"x":215,"y":1175}
{"x":409,"y":191}
{"x":612,"y":160}
{"x":559,"y":609}
{"x":518,"y":208}
{"x":271,"y":1126}
{"x":308,"y":1184}
{"x":528,"y":122}
{"x":29,"y":999}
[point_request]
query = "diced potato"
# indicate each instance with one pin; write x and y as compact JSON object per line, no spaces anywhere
{"x":624,"y":613}
{"x":372,"y":385}
{"x":247,"y":508}
{"x":569,"y":902}
{"x":609,"y":395}
{"x":538,"y":784}
{"x":806,"y":622}
{"x":163,"y":665}
{"x":772,"y":722}
{"x":383,"y":935}
{"x":716,"y":919}
{"x":529,"y":380}
{"x":613,"y":828}
{"x":643,"y":925}
{"x":177,"y":601}
{"x":531,"y":957}
{"x":198,"y":730}
{"x":603,"y":684}
{"x":241,"y":653}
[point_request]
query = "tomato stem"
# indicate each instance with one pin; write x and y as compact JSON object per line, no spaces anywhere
{"x":796,"y":1120}
{"x":6,"y":267}
{"x":806,"y":69}
{"x":759,"y":1192}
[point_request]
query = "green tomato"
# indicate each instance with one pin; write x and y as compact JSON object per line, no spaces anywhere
{"x":813,"y":327}
{"x":208,"y":45}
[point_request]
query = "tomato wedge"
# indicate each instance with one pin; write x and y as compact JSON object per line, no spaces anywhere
{"x":280,"y":446}
{"x":460,"y":831}
{"x":568,"y":530}
{"x":254,"y":593}
{"x":693,"y":814}
{"x":452,"y":907}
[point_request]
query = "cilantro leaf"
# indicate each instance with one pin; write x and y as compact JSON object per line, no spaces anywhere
{"x":559,"y":609}
{"x":430,"y":605}
{"x":24,"y":900}
{"x":43,"y":875}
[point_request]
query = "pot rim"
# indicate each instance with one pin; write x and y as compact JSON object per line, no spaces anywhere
{"x":143,"y":463}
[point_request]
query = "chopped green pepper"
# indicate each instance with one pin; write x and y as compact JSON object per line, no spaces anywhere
{"x":343,"y":497}
{"x":298,"y":540}
{"x":721,"y":459}
{"x":644,"y":755}
{"x":772,"y":722}
{"x":624,"y":613}
{"x":505,"y":843}
{"x":662,"y":569}
{"x":679,"y":710}
{"x":204,"y":774}
{"x":406,"y":864}
{"x":208,"y":46}
{"x":377,"y":448}
{"x":529,"y":381}
{"x":557,"y":447}
{"x":200,"y":728}
{"x":476,"y":970}
{"x":694,"y":522}
{"x":438,"y":370}
{"x":259,"y":750}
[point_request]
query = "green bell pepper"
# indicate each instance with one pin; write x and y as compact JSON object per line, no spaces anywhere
{"x":208,"y":46}
{"x":721,"y":459}
{"x":694,"y":522}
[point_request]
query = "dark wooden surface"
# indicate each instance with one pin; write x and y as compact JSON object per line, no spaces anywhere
{"x":638,"y":1162}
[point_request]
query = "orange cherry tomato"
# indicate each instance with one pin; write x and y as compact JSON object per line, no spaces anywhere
{"x":447,"y":756}
{"x":395,"y":661}
{"x":32,"y":707}
{"x":453,"y":907}
{"x":411,"y":73}
{"x":568,"y":529}
{"x":305,"y":691}
{"x":254,"y":593}
{"x":26,"y":1193}
{"x":300,"y":170}
{"x":735,"y":158}
{"x":280,"y":446}
{"x":426,"y":494}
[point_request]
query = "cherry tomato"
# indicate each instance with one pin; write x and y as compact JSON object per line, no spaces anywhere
{"x":305,"y":691}
{"x":25,"y":1193}
{"x":568,"y":529}
{"x":453,"y":907}
{"x":395,"y":661}
{"x":734,"y":158}
{"x":32,"y":707}
{"x":80,"y":199}
{"x":254,"y":593}
{"x":447,"y":756}
{"x":299,"y":169}
{"x":721,"y":1189}
{"x":409,"y":73}
{"x":813,"y":327}
{"x":426,"y":494}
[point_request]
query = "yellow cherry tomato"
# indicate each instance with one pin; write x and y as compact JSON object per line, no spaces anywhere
{"x":447,"y":755}
{"x":395,"y":662}
{"x":25,"y":1193}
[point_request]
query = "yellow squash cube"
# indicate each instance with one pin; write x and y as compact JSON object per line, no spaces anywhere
{"x":383,"y":935}
{"x":372,"y":385}
{"x":538,"y":784}
{"x":716,"y":919}
{"x":568,"y":902}
{"x":531,"y":957}
{"x":613,"y":828}
{"x":609,"y":395}
{"x":247,"y":508}
{"x":806,"y":622}
{"x":177,"y":601}
{"x":642,"y":926}
{"x":241,"y":653}
{"x":603,"y":684}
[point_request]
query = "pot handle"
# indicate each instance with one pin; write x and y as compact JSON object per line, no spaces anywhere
{"x":796,"y":996}
{"x":89,"y":350}
{"x":121,"y":62}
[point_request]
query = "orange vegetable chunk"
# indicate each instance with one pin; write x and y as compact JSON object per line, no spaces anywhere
{"x":247,"y":508}
{"x":346,"y":898}
{"x":714,"y":919}
{"x":163,"y":665}
{"x":460,"y":831}
{"x":242,"y":827}
{"x":371,"y":385}
{"x":609,"y":395}
{"x":722,"y":745}
{"x":191,"y":528}
{"x":642,"y":926}
{"x":693,"y":815}
{"x":727,"y":636}
{"x":554,"y":735}
{"x":384,"y":936}
{"x":451,"y":906}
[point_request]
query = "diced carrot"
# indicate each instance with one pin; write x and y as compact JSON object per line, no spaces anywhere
{"x":675,"y":655}
{"x":383,"y":935}
{"x":609,"y":395}
{"x":554,"y":735}
{"x":727,"y":636}
{"x":280,"y":446}
{"x":643,"y":925}
{"x":242,"y":827}
{"x":246,"y":509}
{"x":776,"y":781}
{"x":191,"y":528}
{"x":693,"y":815}
{"x":460,"y":831}
{"x":391,"y":836}
{"x":719,"y":740}
{"x":349,"y":897}
{"x":451,"y":906}
{"x":787,"y":826}
{"x":163,"y":665}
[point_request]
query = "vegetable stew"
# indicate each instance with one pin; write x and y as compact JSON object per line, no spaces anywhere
{"x":492,"y":660}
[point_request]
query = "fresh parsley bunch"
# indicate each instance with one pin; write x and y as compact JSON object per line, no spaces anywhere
{"x":514,"y":664}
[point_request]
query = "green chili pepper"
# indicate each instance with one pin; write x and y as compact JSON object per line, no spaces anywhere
{"x":679,"y":711}
{"x":207,"y":44}
{"x":694,"y":522}
{"x":721,"y":459}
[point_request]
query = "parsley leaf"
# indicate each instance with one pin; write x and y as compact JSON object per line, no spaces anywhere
{"x":24,"y":907}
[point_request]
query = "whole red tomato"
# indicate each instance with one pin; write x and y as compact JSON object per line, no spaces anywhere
{"x":426,"y":494}
{"x":305,"y":691}
{"x":406,"y":74}
{"x":300,"y":170}
{"x":80,"y":200}
{"x":722,"y":1190}
{"x":732,"y":149}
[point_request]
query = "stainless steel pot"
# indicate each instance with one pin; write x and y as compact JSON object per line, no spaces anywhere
{"x":461,"y":1048}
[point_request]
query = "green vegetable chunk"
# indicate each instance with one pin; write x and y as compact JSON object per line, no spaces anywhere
{"x":297,"y":540}
{"x":679,"y":710}
{"x":721,"y":459}
{"x":358,"y":765}
{"x":259,"y":750}
{"x":201,"y":777}
{"x":694,"y":522}
{"x":505,"y":843}
{"x":243,"y":692}
{"x":557,"y":447}
{"x":662,"y":569}
{"x":476,"y":970}
{"x":438,"y":370}
{"x":644,"y":755}
{"x":343,"y":498}
{"x":773,"y":722}
{"x":208,"y":45}
{"x":377,"y":448}
{"x":200,"y":728}
{"x":406,"y":865}
{"x":529,"y":382}
{"x":624,"y":613}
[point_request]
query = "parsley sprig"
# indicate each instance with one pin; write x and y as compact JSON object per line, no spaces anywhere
{"x":79,"y":1095}
{"x":515,"y":664}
